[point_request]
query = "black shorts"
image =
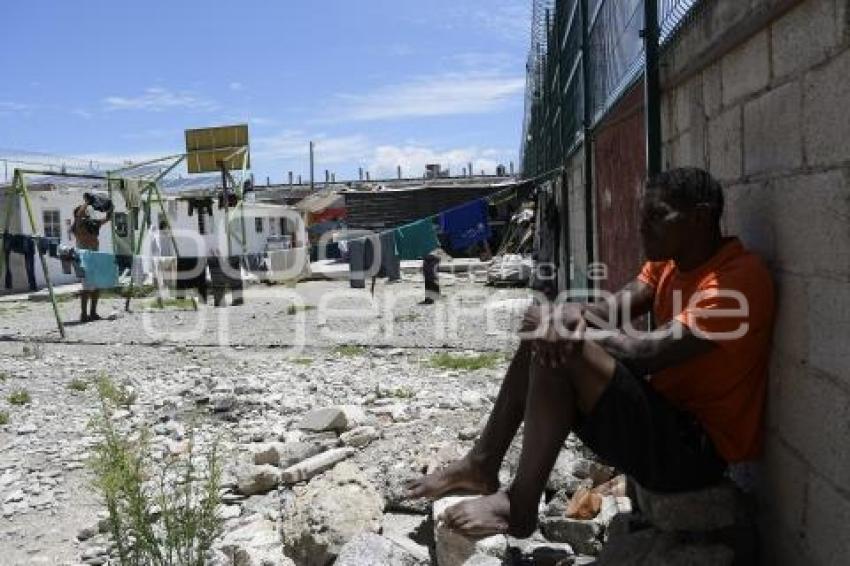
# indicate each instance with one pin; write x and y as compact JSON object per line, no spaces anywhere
{"x":636,"y":430}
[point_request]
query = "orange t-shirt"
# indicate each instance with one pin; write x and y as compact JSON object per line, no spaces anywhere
{"x":730,"y":301}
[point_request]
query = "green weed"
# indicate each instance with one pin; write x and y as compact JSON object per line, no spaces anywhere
{"x":468,"y":363}
{"x":20,"y":397}
{"x":4,"y":418}
{"x":78,"y":384}
{"x":349,"y":351}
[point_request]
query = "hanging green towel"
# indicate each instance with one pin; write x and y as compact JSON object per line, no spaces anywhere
{"x":416,"y":240}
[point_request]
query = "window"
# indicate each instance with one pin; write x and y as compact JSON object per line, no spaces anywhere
{"x":121,"y":224}
{"x":202,"y":222}
{"x":258,"y":225}
{"x":52,"y":224}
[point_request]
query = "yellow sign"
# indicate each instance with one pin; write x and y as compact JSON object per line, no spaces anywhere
{"x":207,"y":148}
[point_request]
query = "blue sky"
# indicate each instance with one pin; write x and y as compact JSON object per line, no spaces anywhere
{"x":375,"y":82}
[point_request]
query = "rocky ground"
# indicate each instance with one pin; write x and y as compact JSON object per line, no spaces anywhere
{"x":320,"y":417}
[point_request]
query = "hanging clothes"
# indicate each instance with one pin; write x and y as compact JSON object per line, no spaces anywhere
{"x":390,"y":260}
{"x":415,"y":241}
{"x":466,"y":225}
{"x":25,"y":246}
{"x":191,"y":273}
{"x":225,"y":273}
{"x":430,"y":271}
{"x":124,"y":263}
{"x":99,"y":269}
{"x":202,"y":205}
{"x":361,"y":256}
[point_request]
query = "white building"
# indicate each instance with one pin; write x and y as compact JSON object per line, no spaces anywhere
{"x":266,"y":225}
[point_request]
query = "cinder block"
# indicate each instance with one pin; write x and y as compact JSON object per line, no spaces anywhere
{"x":747,"y":215}
{"x":782,"y":491}
{"x":688,"y":102}
{"x":669,"y":128}
{"x":772,"y":140}
{"x":804,"y":37}
{"x":791,"y":331}
{"x":826,"y":123}
{"x":712,"y":89}
{"x":688,"y":150}
{"x":725,"y":145}
{"x":809,"y":214}
{"x":815,"y":421}
{"x":829,"y":328}
{"x":746,"y":70}
{"x":828,"y":523}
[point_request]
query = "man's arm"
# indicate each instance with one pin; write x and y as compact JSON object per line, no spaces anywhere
{"x":631,"y":302}
{"x":672,"y":344}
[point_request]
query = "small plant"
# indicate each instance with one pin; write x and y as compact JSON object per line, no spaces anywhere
{"x":158,"y":514}
{"x":4,"y":375}
{"x":396,"y":392}
{"x":350,"y":351}
{"x":304,"y":361}
{"x":468,"y":363}
{"x":4,"y":418}
{"x":410,"y":317}
{"x":33,"y":351}
{"x":295,"y":309}
{"x":78,"y":385}
{"x":20,"y":397}
{"x":172,"y":303}
{"x":118,"y":395}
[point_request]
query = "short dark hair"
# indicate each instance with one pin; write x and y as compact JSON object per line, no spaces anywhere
{"x":686,"y":188}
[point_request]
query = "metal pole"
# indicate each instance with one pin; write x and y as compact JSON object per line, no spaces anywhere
{"x":226,"y":207}
{"x":590,"y":248}
{"x":312,"y":185}
{"x":652,"y":88}
{"x":45,"y":270}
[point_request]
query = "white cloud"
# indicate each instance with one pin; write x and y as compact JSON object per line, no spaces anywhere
{"x":236,"y":86}
{"x":10,"y":107}
{"x":157,"y":99}
{"x":294,"y":145}
{"x":413,"y":159}
{"x":84,"y":114}
{"x":441,"y":95}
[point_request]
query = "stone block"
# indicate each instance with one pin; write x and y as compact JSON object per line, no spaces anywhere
{"x":829,"y":327}
{"x":654,"y":547}
{"x":828,"y":523}
{"x":809,"y":213}
{"x":314,"y":466}
{"x":772,"y":140}
{"x":695,"y":511}
{"x":791,"y":331}
{"x":583,"y":536}
{"x":746,"y":70}
{"x":455,"y":549}
{"x":804,"y":37}
{"x":815,"y":421}
{"x":747,"y":214}
{"x":369,"y":548}
{"x":336,"y":419}
{"x":256,"y":480}
{"x":712,"y":90}
{"x":725,"y":145}
{"x":782,"y":491}
{"x":826,"y":121}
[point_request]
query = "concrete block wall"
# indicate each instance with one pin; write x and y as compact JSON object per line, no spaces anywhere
{"x":576,"y":198}
{"x":770,"y":117}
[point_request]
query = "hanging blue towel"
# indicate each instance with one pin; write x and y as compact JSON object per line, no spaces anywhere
{"x":466,"y":225}
{"x":415,"y":241}
{"x":99,"y":268}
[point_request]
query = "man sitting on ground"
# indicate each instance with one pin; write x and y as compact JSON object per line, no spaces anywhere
{"x":671,"y":408}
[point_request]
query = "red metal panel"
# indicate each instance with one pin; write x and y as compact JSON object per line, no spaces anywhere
{"x":620,"y":167}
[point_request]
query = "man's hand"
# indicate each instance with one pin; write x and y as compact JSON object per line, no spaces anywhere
{"x":556,"y":332}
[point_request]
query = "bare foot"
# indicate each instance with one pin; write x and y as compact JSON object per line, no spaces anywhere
{"x":490,"y":515}
{"x":482,"y":517}
{"x":462,"y":475}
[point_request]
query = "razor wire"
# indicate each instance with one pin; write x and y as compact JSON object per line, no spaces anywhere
{"x":556,"y":93}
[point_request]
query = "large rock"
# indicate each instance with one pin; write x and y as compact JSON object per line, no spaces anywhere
{"x":359,"y":437}
{"x":338,"y":419}
{"x":284,"y":454}
{"x":696,"y":511}
{"x":256,"y":480}
{"x":315,"y":465}
{"x":583,"y":536}
{"x":455,"y":549}
{"x":254,"y":544}
{"x":369,"y":548}
{"x":327,"y":513}
{"x":653,"y":547}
